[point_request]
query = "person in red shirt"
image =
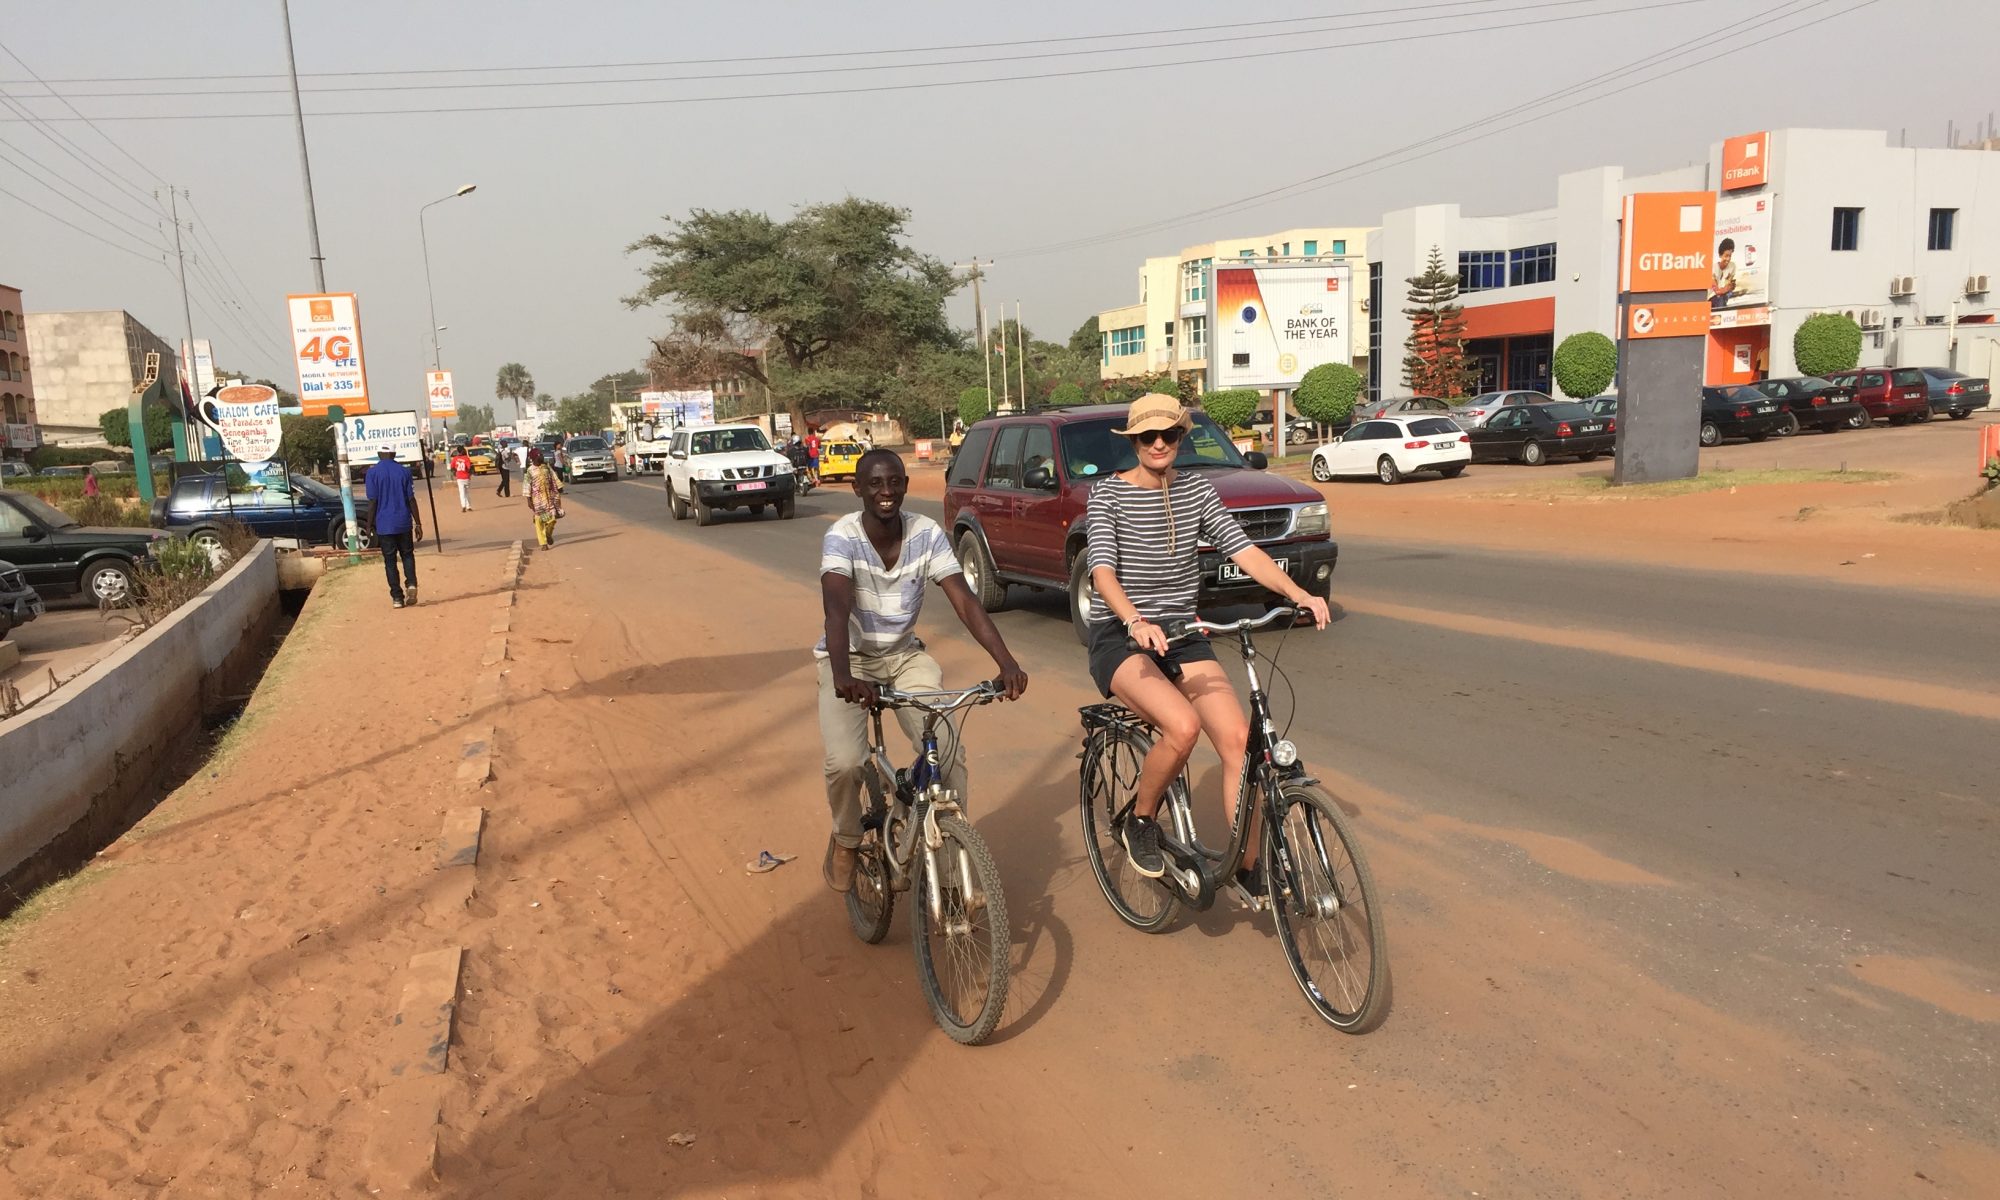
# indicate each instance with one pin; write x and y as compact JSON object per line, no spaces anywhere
{"x":461,"y":470}
{"x":812,"y":454}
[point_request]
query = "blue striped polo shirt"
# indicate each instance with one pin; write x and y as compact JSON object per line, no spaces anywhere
{"x":887,"y":600}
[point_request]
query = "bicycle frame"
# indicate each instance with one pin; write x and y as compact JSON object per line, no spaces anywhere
{"x":1198,"y":872}
{"x":921,"y":792}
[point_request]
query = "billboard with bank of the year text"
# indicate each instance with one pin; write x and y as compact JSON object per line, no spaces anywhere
{"x":1269,"y":325}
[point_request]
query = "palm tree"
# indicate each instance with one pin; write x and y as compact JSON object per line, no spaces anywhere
{"x":514,"y":383}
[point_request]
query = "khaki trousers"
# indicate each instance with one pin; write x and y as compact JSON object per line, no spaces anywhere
{"x":844,"y":726}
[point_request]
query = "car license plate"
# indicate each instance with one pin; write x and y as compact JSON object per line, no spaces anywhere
{"x":1229,"y":572}
{"x":751,"y":487}
{"x":1593,"y":429}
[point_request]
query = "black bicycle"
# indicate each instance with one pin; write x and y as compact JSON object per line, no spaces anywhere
{"x":1317,"y":881}
{"x":915,"y":836}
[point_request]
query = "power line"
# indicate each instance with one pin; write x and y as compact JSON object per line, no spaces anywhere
{"x":80,"y":229}
{"x":1328,"y":178}
{"x":1513,"y":6}
{"x":86,"y":120}
{"x":905,"y":87}
{"x":711,"y":60}
{"x":81,"y":200}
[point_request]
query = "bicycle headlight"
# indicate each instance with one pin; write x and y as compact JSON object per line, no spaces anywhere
{"x":1312,"y":519}
{"x":1284,"y":753}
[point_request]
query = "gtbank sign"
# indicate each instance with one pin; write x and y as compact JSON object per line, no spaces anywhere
{"x":1668,"y":239}
{"x":1745,"y":161}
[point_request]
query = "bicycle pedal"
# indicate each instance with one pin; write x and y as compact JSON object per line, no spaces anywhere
{"x":1246,"y":898}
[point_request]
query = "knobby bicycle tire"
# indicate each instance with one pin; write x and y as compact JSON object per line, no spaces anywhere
{"x":968,"y":961}
{"x":1334,"y":914}
{"x":870,"y":902}
{"x":1110,"y":770}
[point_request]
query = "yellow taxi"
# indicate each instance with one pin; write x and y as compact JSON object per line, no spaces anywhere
{"x":839,"y":460}
{"x":484,"y":460}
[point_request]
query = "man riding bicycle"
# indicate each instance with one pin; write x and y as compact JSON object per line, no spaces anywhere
{"x":1146,"y":526}
{"x":874,"y":565}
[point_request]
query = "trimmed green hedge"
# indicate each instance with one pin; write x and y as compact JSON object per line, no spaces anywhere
{"x":1585,"y":364}
{"x":1327,"y":393}
{"x":1232,"y":408}
{"x":1827,"y":342}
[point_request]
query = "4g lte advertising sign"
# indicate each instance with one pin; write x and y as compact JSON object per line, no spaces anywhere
{"x":326,"y":347}
{"x":437,"y":384}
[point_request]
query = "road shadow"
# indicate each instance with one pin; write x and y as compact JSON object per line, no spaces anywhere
{"x":773,"y":1062}
{"x":716,"y":674}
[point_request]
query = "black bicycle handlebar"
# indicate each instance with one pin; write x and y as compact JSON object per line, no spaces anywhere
{"x":1180,"y":631}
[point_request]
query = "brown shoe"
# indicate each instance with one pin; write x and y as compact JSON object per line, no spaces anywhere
{"x":839,"y":866}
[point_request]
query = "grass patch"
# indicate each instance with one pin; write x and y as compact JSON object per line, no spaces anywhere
{"x":1712,"y":481}
{"x":48,"y":899}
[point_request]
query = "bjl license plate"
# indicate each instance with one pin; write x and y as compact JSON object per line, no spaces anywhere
{"x":751,"y":487}
{"x":1229,"y":572}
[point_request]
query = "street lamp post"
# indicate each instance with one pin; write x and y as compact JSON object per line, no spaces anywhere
{"x":423,"y":237}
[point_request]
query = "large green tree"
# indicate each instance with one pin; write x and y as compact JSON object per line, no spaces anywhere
{"x":1434,"y":360}
{"x":834,"y":294}
{"x":513,"y":382}
{"x":581,"y":413}
{"x":116,"y":426}
{"x":1088,"y":340}
{"x":476,"y":418}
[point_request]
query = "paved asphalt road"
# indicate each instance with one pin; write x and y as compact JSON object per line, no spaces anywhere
{"x":1802,"y":824}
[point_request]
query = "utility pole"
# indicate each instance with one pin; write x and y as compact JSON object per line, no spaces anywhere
{"x":187,"y":431}
{"x":979,"y":318}
{"x":1003,"y":360}
{"x":334,"y":411}
{"x":986,"y":351}
{"x":1021,"y":336}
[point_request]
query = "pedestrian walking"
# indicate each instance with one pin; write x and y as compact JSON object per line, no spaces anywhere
{"x":91,"y":489}
{"x":544,"y":492}
{"x":461,"y":470}
{"x":812,"y":454}
{"x":392,"y":499}
{"x":505,"y":461}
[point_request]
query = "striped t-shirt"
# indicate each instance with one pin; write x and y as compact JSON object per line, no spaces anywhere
{"x":886,"y":599}
{"x":1127,"y":527}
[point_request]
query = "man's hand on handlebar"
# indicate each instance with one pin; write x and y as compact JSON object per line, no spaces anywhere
{"x":855,"y":691}
{"x":1012,"y":681}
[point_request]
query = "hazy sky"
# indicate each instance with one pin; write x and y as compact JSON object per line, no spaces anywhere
{"x":531,"y":267}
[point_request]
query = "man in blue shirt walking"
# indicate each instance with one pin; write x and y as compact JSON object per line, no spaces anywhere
{"x":392,"y":495}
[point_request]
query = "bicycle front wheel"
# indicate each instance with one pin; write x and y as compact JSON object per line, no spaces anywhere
{"x":1105,"y":784}
{"x":962,"y":949}
{"x":870,"y":902}
{"x":1328,"y":911}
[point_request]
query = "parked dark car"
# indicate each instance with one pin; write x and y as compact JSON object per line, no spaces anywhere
{"x":1739,"y":411}
{"x":18,"y":602}
{"x":1814,"y":403}
{"x":1898,"y":395}
{"x":309,"y":511}
{"x":1955,"y":392}
{"x":1536,"y":433}
{"x":1016,"y":495}
{"x":59,"y":557}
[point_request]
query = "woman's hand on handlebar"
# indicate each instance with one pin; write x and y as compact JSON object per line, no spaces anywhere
{"x":1147,"y":636}
{"x":1315,"y":607}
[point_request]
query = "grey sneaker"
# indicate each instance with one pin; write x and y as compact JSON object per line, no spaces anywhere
{"x":396,"y":602}
{"x":1141,"y":838}
{"x":412,"y":595}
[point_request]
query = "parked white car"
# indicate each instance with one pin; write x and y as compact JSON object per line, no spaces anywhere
{"x":711,"y":467}
{"x":1390,"y":448}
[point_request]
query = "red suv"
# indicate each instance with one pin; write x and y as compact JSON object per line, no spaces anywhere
{"x":1898,"y":395}
{"x":1016,"y":493}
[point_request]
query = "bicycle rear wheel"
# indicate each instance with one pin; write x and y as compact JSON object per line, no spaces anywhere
{"x":962,"y":952}
{"x":870,"y":902}
{"x":1328,"y":911}
{"x":1105,"y":783}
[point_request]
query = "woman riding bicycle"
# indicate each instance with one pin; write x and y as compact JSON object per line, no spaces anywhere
{"x":1146,"y":527}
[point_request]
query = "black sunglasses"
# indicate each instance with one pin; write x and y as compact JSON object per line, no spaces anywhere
{"x":1171,"y":437}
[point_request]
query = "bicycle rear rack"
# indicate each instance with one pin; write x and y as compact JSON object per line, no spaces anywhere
{"x":1112,"y":715}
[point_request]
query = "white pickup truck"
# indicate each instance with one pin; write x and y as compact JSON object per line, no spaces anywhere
{"x":711,"y":467}
{"x":646,"y":448}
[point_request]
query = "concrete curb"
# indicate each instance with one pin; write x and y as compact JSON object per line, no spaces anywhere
{"x":458,"y":846}
{"x":475,"y":761}
{"x":402,"y":1148}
